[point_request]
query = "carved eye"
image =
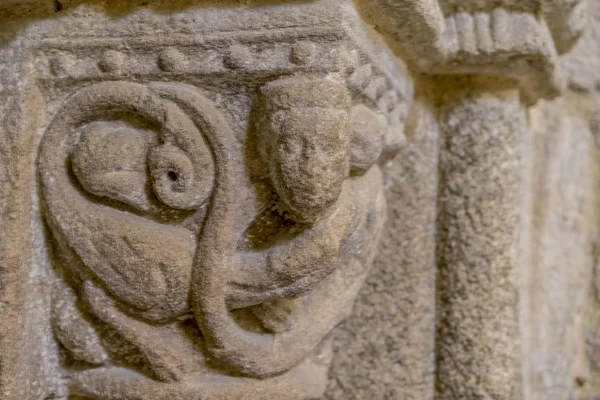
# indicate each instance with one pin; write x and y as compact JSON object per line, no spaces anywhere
{"x":175,"y":181}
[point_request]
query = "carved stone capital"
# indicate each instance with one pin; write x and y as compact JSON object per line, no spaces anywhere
{"x":213,"y":195}
{"x":517,"y":40}
{"x":292,"y":200}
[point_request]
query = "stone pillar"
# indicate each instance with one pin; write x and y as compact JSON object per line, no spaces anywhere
{"x":481,"y":127}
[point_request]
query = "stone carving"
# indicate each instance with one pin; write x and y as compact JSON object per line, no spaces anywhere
{"x":519,"y":40}
{"x":188,"y":264}
{"x":192,"y":195}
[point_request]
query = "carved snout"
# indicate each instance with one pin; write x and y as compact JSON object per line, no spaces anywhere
{"x":110,"y":161}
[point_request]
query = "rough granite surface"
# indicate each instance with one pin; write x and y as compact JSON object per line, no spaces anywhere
{"x":293,"y":200}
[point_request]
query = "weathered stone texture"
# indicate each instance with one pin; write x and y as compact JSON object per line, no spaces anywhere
{"x":271,"y":199}
{"x":561,"y":242}
{"x":481,"y":177}
{"x":385,"y":350}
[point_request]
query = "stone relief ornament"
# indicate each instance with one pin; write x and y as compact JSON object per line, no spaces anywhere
{"x":192,"y":195}
{"x":195,"y":265}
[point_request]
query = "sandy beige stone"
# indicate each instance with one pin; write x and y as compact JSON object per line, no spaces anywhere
{"x":272,"y":199}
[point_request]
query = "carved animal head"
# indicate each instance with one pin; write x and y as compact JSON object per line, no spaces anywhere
{"x":146,"y":265}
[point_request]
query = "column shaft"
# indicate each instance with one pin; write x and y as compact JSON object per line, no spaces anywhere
{"x":478,"y":224}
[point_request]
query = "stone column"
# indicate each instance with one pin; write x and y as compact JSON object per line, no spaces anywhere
{"x":482,"y":127}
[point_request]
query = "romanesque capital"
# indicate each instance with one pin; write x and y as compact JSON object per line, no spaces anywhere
{"x":281,"y":200}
